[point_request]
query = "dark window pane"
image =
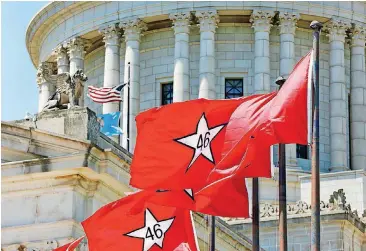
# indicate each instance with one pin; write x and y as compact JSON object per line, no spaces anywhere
{"x":302,"y":152}
{"x":167,"y":93}
{"x":233,"y":88}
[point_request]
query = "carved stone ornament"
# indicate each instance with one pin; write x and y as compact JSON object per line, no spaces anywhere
{"x":69,"y":89}
{"x":208,"y":20}
{"x":45,"y":69}
{"x":77,"y":47}
{"x":261,"y":20}
{"x":268,"y":210}
{"x":288,"y":22}
{"x":337,"y":30}
{"x":337,"y":200}
{"x":47,"y":245}
{"x":61,"y":55}
{"x":358,"y":36}
{"x":111,"y":35}
{"x":181,"y":22}
{"x":133,"y":29}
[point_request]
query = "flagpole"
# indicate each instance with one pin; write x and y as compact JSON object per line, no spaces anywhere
{"x":128,"y":107}
{"x":315,"y":184}
{"x":212,"y":237}
{"x":282,"y":187}
{"x":255,"y":214}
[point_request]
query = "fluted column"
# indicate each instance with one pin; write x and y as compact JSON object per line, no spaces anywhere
{"x":358,"y":98}
{"x":181,"y":25}
{"x":208,"y":23}
{"x":45,"y":89}
{"x":112,"y":43}
{"x":287,"y":61}
{"x":62,"y":59}
{"x":261,"y":22}
{"x":76,"y":50}
{"x":338,"y":95}
{"x":132,"y":33}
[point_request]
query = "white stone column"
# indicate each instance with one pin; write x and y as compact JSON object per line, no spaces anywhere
{"x":208,"y":23}
{"x":181,"y":25}
{"x":338,"y":96}
{"x":261,"y":22}
{"x":76,"y":50}
{"x":62,"y":59}
{"x":112,"y":42}
{"x":358,"y":99}
{"x":45,"y":89}
{"x":132,"y":33}
{"x":287,"y":62}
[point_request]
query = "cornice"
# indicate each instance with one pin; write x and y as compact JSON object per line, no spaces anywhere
{"x":82,"y":179}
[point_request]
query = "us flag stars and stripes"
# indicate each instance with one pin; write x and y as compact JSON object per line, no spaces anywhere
{"x":105,"y":94}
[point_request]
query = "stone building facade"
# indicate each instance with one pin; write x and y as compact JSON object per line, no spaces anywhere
{"x":176,"y":51}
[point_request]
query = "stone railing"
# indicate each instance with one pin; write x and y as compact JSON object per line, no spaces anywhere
{"x":337,"y":204}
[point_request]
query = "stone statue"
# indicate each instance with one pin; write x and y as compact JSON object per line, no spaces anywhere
{"x":69,"y":89}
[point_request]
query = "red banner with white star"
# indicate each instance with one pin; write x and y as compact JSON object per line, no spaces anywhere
{"x":179,"y":144}
{"x":134,"y":224}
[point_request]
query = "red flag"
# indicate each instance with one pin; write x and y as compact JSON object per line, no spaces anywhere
{"x":134,"y":224}
{"x":212,"y":199}
{"x":70,"y":246}
{"x":253,"y":128}
{"x":183,"y":247}
{"x":179,"y":144}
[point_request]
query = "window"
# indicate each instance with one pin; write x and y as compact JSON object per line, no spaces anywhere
{"x":233,"y":88}
{"x":166,"y":93}
{"x":302,"y":151}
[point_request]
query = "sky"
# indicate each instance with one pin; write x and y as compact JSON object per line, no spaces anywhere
{"x":19,"y":92}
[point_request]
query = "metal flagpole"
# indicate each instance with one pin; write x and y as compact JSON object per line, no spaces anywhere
{"x":315,"y":186}
{"x":255,"y":214}
{"x":212,"y":237}
{"x":128,"y":106}
{"x":282,"y":187}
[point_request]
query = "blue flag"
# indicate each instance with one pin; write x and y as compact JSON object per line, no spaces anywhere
{"x":109,"y":123}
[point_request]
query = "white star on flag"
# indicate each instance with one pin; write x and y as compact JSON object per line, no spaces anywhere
{"x":201,"y":140}
{"x":153,"y":231}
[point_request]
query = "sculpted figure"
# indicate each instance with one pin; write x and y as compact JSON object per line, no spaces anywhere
{"x":69,"y":90}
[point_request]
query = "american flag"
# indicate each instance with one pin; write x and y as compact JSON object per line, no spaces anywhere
{"x":105,"y":94}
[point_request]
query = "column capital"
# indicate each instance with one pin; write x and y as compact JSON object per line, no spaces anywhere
{"x":44,"y":70}
{"x":76,"y":47}
{"x":181,"y":22}
{"x":208,"y":20}
{"x":61,"y":55}
{"x":261,"y":20}
{"x":337,"y":30}
{"x":133,"y":28}
{"x":288,"y":22}
{"x":111,"y":35}
{"x":358,"y":36}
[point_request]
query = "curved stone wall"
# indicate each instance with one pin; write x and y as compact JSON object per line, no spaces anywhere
{"x":241,"y":49}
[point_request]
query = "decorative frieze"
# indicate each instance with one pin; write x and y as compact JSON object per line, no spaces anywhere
{"x":261,"y":20}
{"x":288,"y":22}
{"x":208,"y":20}
{"x":133,"y":28}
